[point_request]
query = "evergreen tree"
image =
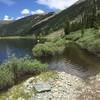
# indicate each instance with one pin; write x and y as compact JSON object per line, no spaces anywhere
{"x":82,"y":23}
{"x":67,"y":26}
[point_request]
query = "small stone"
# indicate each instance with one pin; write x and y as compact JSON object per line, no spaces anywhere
{"x":42,"y":87}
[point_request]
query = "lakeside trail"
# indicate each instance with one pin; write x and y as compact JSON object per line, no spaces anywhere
{"x":62,"y":87}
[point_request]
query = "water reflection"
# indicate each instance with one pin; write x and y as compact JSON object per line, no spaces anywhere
{"x":75,"y":61}
{"x":19,"y":47}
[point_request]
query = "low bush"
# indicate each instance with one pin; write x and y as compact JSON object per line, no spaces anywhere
{"x":55,"y":46}
{"x":13,"y":69}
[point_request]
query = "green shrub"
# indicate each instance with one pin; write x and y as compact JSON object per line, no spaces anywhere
{"x":55,"y":46}
{"x":67,"y":26}
{"x":6,"y":78}
{"x":13,"y":69}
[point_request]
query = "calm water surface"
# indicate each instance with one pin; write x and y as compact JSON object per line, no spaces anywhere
{"x":74,"y":61}
{"x":19,"y":47}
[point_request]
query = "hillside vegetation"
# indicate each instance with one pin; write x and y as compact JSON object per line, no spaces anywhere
{"x":90,"y":40}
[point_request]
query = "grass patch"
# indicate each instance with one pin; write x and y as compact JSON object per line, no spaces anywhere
{"x":74,"y":36}
{"x":47,"y":75}
{"x":14,"y":69}
{"x":53,"y":47}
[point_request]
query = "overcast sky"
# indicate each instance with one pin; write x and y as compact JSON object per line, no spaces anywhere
{"x":16,"y":9}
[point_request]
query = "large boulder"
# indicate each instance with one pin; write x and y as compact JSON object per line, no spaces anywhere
{"x":42,"y":86}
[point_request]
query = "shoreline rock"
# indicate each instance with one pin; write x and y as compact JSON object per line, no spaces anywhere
{"x":42,"y":87}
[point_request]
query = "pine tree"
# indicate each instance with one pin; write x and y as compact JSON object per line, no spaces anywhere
{"x":82,"y":23}
{"x":67,"y":26}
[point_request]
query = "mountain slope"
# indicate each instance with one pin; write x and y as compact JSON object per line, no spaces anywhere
{"x":23,"y":25}
{"x":56,"y":22}
{"x":44,"y":23}
{"x":4,"y":22}
{"x":36,"y":23}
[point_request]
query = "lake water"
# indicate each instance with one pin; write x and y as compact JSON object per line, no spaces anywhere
{"x":19,"y":47}
{"x":74,"y":61}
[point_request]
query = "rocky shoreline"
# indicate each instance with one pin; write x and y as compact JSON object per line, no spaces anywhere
{"x":61,"y":87}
